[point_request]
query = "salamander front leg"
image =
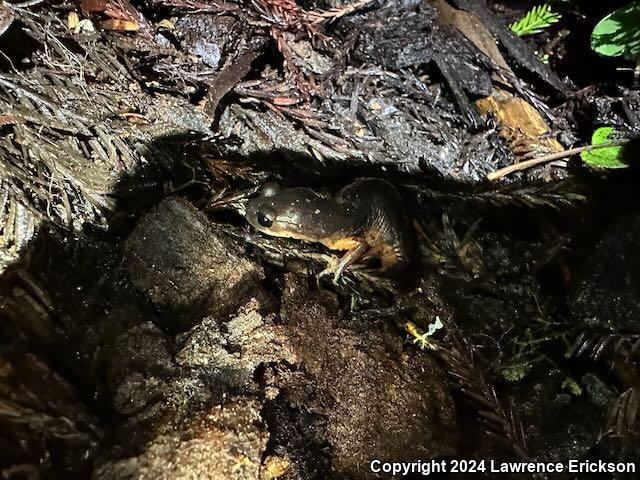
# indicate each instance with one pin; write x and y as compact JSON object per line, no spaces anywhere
{"x":347,"y":259}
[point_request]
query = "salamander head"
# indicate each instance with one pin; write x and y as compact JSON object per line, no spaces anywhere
{"x":298,"y":213}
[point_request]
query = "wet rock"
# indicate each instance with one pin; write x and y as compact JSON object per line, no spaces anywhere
{"x":606,"y":294}
{"x":182,"y":262}
{"x":350,"y":377}
{"x":381,"y":114}
{"x":226,"y":442}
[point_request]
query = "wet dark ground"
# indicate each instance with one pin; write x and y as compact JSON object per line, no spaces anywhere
{"x":165,"y":339}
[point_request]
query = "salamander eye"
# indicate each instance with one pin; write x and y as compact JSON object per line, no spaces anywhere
{"x":265,"y":218}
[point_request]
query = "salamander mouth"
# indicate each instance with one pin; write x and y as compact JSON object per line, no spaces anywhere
{"x":283,"y":229}
{"x":289,"y":234}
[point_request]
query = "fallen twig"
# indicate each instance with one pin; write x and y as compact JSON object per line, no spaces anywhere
{"x":503,"y":172}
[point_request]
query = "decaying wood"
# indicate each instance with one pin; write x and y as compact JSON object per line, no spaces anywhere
{"x":527,"y":132}
{"x":525,"y":129}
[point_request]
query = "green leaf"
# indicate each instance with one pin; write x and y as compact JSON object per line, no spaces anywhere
{"x":535,"y":20}
{"x":606,"y":157}
{"x":618,"y":34}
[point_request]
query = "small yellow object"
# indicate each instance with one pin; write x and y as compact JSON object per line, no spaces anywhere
{"x":166,"y":23}
{"x":274,"y":466}
{"x":420,"y":337}
{"x":72,"y":20}
{"x":359,"y":129}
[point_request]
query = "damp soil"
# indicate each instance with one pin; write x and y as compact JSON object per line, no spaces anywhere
{"x":147,"y":331}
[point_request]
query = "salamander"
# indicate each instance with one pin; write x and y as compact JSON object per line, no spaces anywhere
{"x":366,"y":219}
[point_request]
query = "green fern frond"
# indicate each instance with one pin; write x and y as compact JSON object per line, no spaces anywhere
{"x":536,"y":20}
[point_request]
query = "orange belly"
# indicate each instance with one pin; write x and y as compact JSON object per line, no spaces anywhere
{"x":344,"y":243}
